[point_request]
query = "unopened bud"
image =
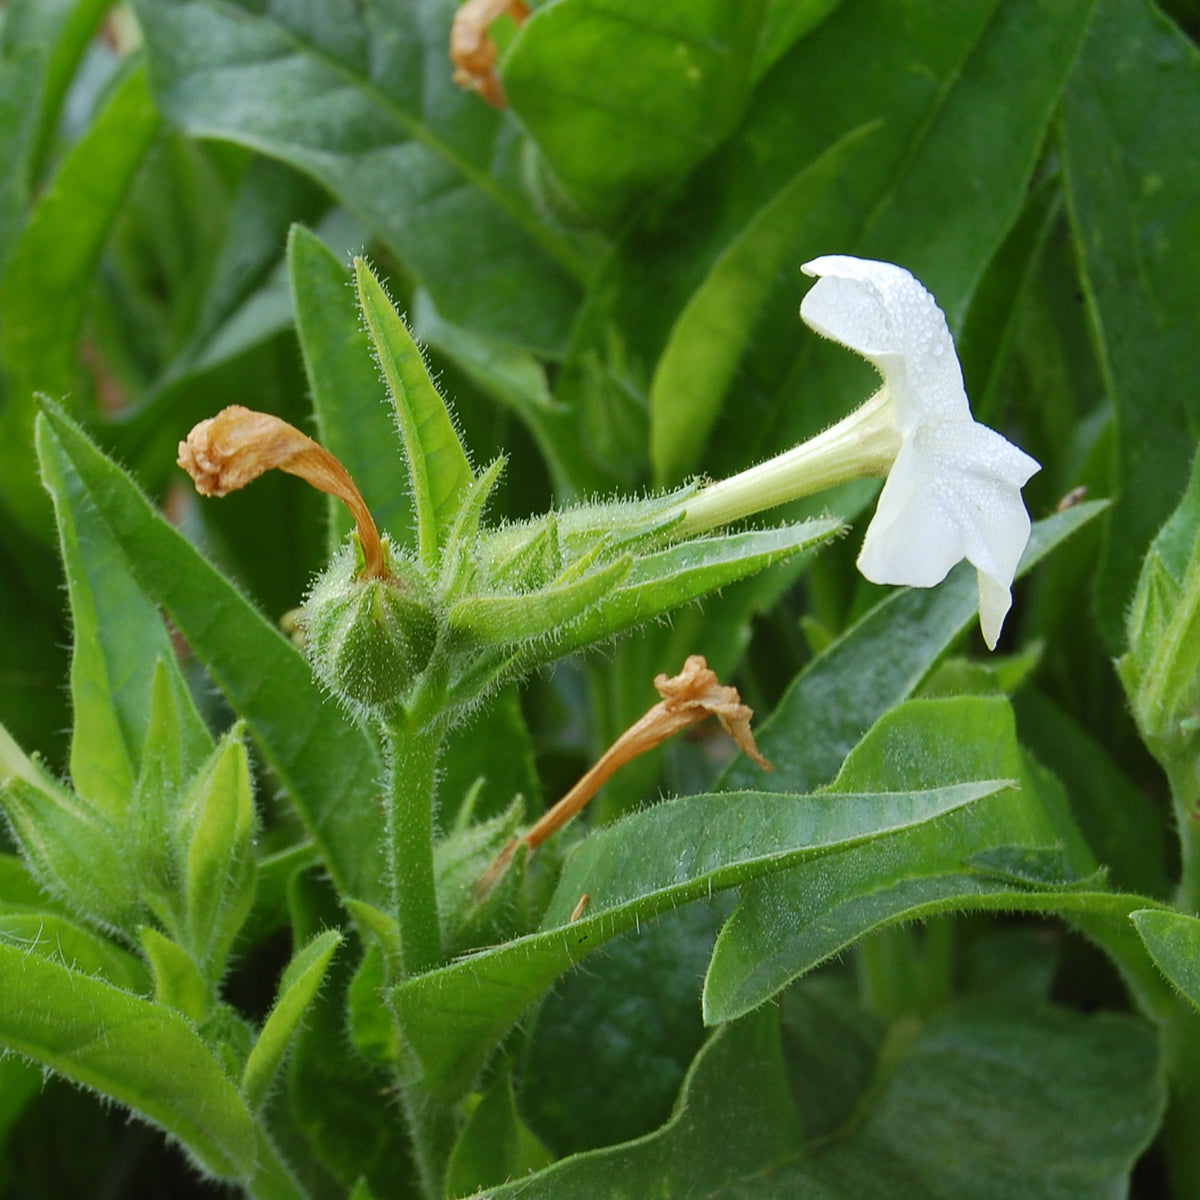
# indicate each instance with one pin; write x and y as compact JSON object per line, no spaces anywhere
{"x":369,"y":638}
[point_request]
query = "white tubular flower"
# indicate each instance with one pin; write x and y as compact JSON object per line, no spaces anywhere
{"x":954,"y":489}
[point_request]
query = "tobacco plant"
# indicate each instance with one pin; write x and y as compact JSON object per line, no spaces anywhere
{"x":287,"y":905}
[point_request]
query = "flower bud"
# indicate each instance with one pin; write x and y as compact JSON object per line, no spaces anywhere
{"x":369,"y":638}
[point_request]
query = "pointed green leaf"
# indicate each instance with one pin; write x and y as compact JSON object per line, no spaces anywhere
{"x":128,"y":1049}
{"x":788,"y":924}
{"x":215,"y":836}
{"x":300,"y":983}
{"x":1173,"y":940}
{"x":711,"y":333}
{"x":631,"y":871}
{"x":437,"y":463}
{"x":64,"y":941}
{"x":353,"y":421}
{"x":1137,"y":87}
{"x":329,"y":767}
{"x":20,"y":78}
{"x":178,"y":983}
{"x":119,"y":641}
{"x":526,"y":616}
{"x":46,"y":284}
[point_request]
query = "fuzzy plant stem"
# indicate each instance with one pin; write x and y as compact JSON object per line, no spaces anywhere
{"x":412,"y":755}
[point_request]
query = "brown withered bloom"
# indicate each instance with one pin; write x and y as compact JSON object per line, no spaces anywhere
{"x":472,"y":50}
{"x":230,"y":450}
{"x":687,"y":698}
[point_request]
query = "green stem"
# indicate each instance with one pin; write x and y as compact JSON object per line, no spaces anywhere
{"x":432,"y":1128}
{"x":412,"y":755}
{"x":1185,"y":793}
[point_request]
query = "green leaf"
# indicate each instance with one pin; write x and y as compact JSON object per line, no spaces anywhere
{"x":788,"y":924}
{"x":215,"y":842}
{"x":668,"y":579}
{"x":1133,"y":101}
{"x":507,"y":618}
{"x":300,"y":983}
{"x":1173,"y":941}
{"x":438,"y":467}
{"x":20,"y":77}
{"x":877,"y":663}
{"x":178,"y":983}
{"x":353,"y":422}
{"x":62,"y":940}
{"x":620,"y":103}
{"x":47,"y":281}
{"x":361,"y":98}
{"x":983,"y":1101}
{"x":128,"y":1049}
{"x":329,"y":767}
{"x":630,"y":871}
{"x":119,"y":641}
{"x":711,"y":333}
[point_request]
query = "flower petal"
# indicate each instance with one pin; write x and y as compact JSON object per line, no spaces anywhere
{"x":887,"y":316}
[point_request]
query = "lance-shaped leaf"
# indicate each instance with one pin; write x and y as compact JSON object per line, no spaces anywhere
{"x":119,"y":643}
{"x":354,"y":424}
{"x":437,"y":463}
{"x":177,"y":980}
{"x":131,"y":1050}
{"x":46,"y":284}
{"x":299,"y":985}
{"x":64,"y":941}
{"x":329,"y":767}
{"x":507,"y":619}
{"x":215,"y":844}
{"x":631,"y":871}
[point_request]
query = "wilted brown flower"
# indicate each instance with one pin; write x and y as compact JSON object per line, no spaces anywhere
{"x":687,"y":698}
{"x":472,"y":50}
{"x":230,"y":450}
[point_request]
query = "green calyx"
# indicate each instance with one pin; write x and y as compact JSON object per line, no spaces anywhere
{"x":369,"y":639}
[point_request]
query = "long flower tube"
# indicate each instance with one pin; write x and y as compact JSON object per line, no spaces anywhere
{"x":953,"y":486}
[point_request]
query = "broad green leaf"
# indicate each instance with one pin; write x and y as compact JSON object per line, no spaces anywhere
{"x":631,"y":871}
{"x":47,"y":280}
{"x":710,"y":334}
{"x":70,"y":944}
{"x":1122,"y":824}
{"x":622,"y":102}
{"x":633,"y":1015}
{"x":130,"y":1050}
{"x":439,"y":471}
{"x":299,"y":985}
{"x":784,"y":23}
{"x":352,"y":418}
{"x":1173,"y":940}
{"x":873,"y":666}
{"x":361,"y":98}
{"x":987,"y":1101}
{"x":329,"y":767}
{"x":789,"y":923}
{"x":119,"y":641}
{"x":1132,"y":103}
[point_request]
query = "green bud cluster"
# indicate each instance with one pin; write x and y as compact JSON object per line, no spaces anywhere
{"x":369,"y":639}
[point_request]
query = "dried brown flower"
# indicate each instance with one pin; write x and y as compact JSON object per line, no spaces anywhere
{"x":472,"y":50}
{"x":230,"y":450}
{"x":687,"y":698}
